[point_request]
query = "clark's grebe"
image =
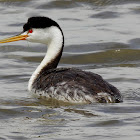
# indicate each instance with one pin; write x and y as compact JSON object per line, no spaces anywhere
{"x":65,"y":84}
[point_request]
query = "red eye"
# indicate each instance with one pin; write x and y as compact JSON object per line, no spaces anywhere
{"x":30,"y":31}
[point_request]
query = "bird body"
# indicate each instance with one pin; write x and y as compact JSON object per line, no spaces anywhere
{"x":74,"y":85}
{"x":65,"y":84}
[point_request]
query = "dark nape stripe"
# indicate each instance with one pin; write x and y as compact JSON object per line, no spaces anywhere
{"x":45,"y":22}
{"x":50,"y":66}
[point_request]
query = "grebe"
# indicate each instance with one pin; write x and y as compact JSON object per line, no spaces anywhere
{"x":65,"y":84}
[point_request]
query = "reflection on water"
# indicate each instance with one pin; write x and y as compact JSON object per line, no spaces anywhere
{"x":101,"y":36}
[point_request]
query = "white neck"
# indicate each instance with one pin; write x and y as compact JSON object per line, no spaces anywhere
{"x":55,"y":45}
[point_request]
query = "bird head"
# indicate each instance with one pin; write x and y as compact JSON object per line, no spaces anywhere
{"x":38,"y":30}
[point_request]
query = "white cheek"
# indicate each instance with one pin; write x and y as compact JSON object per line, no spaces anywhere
{"x":38,"y":36}
{"x":32,"y":37}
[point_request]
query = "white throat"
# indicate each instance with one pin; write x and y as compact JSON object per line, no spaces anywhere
{"x":54,"y":41}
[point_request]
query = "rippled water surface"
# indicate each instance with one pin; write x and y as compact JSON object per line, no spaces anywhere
{"x":102,"y":36}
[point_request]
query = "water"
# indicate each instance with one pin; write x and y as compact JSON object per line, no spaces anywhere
{"x":101,"y":36}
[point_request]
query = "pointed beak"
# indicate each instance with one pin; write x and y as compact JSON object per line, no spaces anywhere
{"x":15,"y":38}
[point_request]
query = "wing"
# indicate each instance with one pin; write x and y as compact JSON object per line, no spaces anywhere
{"x":75,"y":80}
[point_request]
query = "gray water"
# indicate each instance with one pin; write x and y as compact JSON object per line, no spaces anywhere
{"x":102,"y":36}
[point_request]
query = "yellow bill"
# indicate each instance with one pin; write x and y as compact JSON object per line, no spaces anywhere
{"x":15,"y":38}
